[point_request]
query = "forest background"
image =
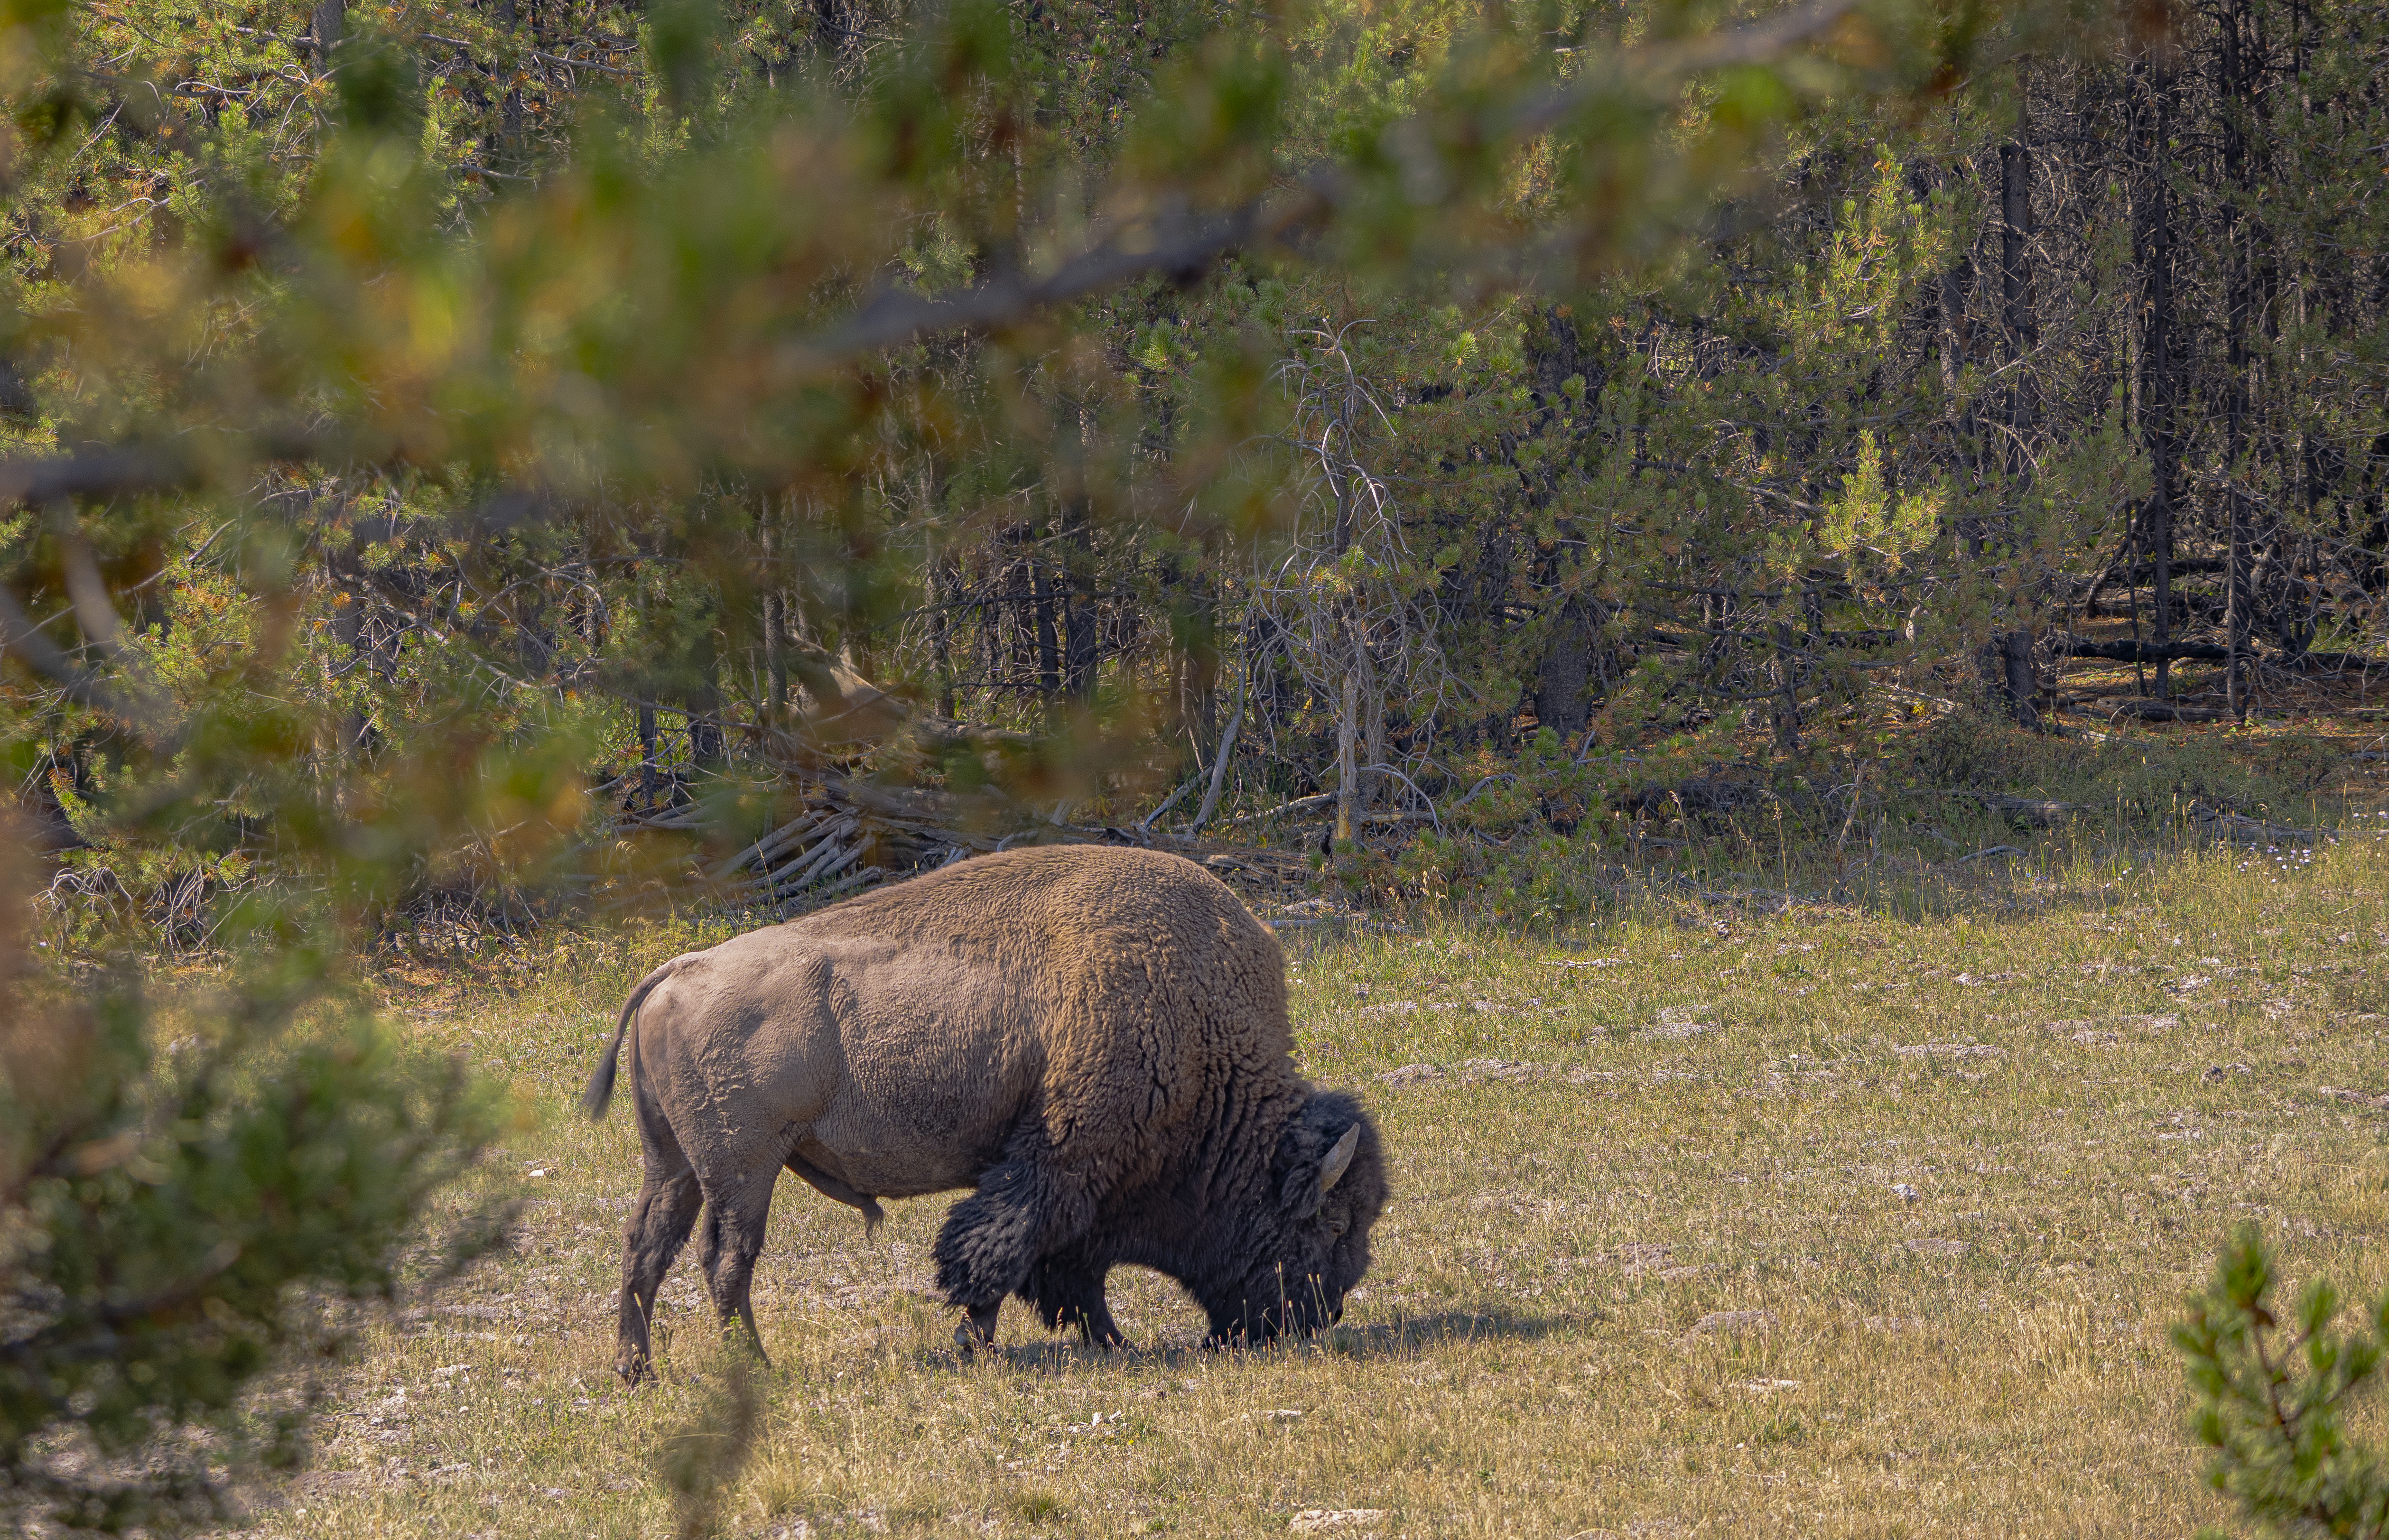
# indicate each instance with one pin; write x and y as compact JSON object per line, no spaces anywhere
{"x":515,"y":414}
{"x":476,"y":465}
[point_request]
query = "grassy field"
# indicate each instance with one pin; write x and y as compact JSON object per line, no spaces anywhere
{"x":1843,"y":1221}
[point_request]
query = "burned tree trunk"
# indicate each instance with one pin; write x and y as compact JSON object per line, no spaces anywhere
{"x":2009,"y":654}
{"x":2018,"y":314}
{"x":1049,"y":651}
{"x":649,"y":772}
{"x":2232,"y":65}
{"x":1786,"y":695}
{"x":775,"y":630}
{"x":1081,"y":638}
{"x":328,"y":21}
{"x":2159,"y":386}
{"x":2009,"y":679}
{"x":1567,"y":669}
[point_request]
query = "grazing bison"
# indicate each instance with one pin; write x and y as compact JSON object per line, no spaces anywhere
{"x":1094,"y":1038}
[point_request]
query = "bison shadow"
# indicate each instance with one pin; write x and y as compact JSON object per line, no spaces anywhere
{"x":1410,"y":1334}
{"x":1175,"y":1347}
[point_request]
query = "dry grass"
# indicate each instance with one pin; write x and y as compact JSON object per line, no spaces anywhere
{"x":1836,"y":1223}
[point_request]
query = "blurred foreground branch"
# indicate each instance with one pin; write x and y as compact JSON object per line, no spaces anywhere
{"x":2275,"y":1398}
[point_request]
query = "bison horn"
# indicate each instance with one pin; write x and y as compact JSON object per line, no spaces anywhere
{"x":1339,"y":1158}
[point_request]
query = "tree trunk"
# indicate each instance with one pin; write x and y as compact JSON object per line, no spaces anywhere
{"x":943,"y":588}
{"x":775,"y":628}
{"x":705,"y":745}
{"x":1482,"y":606}
{"x":1956,"y":346}
{"x":1565,"y":669}
{"x":330,"y":18}
{"x":649,"y":773}
{"x":1346,"y":741}
{"x":2008,"y":655}
{"x":2237,"y":277}
{"x":356,"y":737}
{"x":1195,"y":626}
{"x":2153,"y":109}
{"x":1220,"y":765}
{"x":1080,"y":619}
{"x":775,"y":653}
{"x":2018,"y":314}
{"x":706,"y":748}
{"x":1787,"y":690}
{"x":2009,"y":679}
{"x":1049,"y":652}
{"x":1373,"y":726}
{"x":510,"y":152}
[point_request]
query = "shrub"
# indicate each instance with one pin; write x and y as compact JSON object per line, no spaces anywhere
{"x":2274,"y":1401}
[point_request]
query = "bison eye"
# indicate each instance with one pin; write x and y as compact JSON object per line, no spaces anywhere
{"x":1337,"y":1227}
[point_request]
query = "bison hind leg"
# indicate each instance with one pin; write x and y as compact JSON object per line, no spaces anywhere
{"x":735,"y":1214}
{"x":660,"y":1221}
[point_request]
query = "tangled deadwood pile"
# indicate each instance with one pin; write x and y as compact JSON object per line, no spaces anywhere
{"x":852,"y":834}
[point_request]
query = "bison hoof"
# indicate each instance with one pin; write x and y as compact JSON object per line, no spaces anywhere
{"x":977,"y":1330}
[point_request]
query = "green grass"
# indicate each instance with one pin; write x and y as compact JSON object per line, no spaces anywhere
{"x":1650,"y":1270}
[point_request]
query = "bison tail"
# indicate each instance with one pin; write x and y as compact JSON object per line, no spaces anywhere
{"x":601,"y":1084}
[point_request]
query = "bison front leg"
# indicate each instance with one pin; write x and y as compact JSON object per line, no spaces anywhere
{"x":977,"y":1330}
{"x":1023,"y":1209}
{"x":1067,"y":1289}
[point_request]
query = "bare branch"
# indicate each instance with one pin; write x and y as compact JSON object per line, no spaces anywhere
{"x":89,"y":472}
{"x":21,"y":638}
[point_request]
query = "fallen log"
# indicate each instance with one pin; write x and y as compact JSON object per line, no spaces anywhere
{"x":817,"y":859}
{"x":2240,"y":830}
{"x":2144,"y":652}
{"x":2146,"y":573}
{"x":2038,"y":812}
{"x":672,"y":820}
{"x":867,"y":875}
{"x":2166,"y":711}
{"x":951,"y":835}
{"x":1299,"y":805}
{"x":1707,"y":793}
{"x":769,"y":848}
{"x":2332,"y":662}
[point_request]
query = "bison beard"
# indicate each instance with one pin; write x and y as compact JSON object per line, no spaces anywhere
{"x":1095,"y":1040}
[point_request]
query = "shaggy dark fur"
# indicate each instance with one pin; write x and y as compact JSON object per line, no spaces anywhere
{"x":1252,"y":1238}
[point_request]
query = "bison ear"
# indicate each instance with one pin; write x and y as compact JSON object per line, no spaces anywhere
{"x":1339,"y":1159}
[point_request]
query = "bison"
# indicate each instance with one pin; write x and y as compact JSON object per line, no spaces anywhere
{"x":1093,"y":1038}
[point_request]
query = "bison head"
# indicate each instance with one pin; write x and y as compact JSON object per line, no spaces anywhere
{"x":1310,"y":1244}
